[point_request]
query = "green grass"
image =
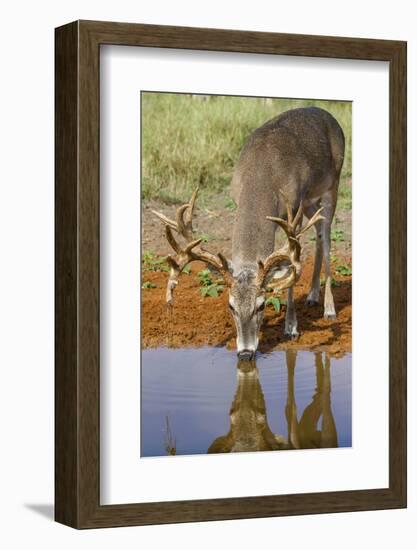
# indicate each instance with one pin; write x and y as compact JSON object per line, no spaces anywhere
{"x":188,"y":141}
{"x":229,"y":203}
{"x":344,"y":199}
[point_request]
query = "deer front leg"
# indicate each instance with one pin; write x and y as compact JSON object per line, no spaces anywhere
{"x":313,"y":297}
{"x":328,"y":202}
{"x":329,"y":309}
{"x":291,"y":316}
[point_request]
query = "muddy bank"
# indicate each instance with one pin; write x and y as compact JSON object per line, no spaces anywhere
{"x":196,"y":321}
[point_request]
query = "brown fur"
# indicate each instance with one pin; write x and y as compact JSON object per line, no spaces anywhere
{"x":300,"y":152}
{"x":295,"y":158}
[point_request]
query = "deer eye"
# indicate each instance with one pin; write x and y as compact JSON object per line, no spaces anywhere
{"x":261,"y":307}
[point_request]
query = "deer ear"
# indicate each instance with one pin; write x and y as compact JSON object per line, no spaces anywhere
{"x":274,"y":274}
{"x":260,"y":277}
{"x":227,"y":264}
{"x":259,"y":300}
{"x":282,"y":278}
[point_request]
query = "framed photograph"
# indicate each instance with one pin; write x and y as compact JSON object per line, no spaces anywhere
{"x":230,"y":274}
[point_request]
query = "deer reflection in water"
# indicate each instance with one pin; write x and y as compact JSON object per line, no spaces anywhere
{"x":249,"y":430}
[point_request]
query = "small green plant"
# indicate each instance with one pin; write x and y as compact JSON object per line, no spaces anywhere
{"x":204,"y":237}
{"x":229,"y":203}
{"x":147,"y":256}
{"x":208,"y":287}
{"x":337,"y":235}
{"x":333,"y":282}
{"x":213,"y":290}
{"x":148,"y":284}
{"x":344,"y":270}
{"x":152,"y":262}
{"x":204,"y":277}
{"x":187,"y":269}
{"x":275,"y":302}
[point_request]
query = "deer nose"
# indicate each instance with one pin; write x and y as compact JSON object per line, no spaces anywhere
{"x":246,"y":355}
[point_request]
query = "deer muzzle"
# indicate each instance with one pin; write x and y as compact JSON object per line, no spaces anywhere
{"x":246,"y":355}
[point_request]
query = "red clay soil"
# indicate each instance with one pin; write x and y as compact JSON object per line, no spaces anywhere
{"x":195,"y":321}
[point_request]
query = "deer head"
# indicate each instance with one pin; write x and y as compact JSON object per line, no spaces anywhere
{"x":247,"y":288}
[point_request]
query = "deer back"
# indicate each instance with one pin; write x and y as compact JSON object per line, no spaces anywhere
{"x":300,"y":153}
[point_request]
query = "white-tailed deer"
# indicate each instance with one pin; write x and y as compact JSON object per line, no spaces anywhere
{"x":289,"y":167}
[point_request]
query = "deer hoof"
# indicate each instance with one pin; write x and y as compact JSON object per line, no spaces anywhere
{"x":313,"y":297}
{"x":292,"y":333}
{"x":330,"y":316}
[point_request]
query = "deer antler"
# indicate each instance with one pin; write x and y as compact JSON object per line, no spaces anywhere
{"x":291,"y":254}
{"x":192,"y":251}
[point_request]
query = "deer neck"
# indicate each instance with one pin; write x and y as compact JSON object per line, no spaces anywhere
{"x":253,"y":234}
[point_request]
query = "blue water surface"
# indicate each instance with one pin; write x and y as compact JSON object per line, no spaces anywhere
{"x":187,"y":394}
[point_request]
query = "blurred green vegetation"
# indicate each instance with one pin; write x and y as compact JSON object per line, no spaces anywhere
{"x":196,"y":140}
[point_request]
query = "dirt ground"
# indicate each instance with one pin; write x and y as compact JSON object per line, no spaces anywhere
{"x":215,"y":222}
{"x":199,"y":321}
